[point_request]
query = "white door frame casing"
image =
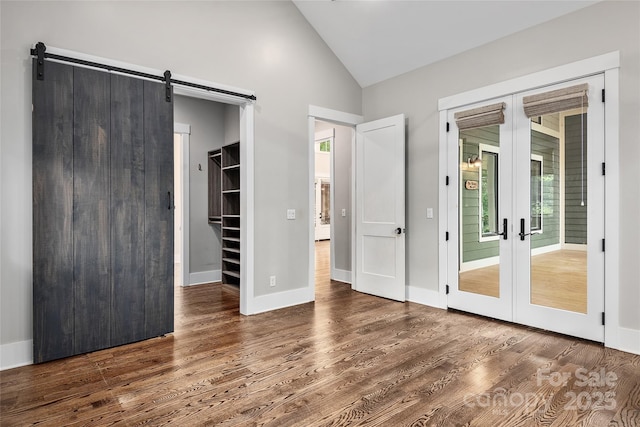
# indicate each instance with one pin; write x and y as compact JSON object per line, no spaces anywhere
{"x":607,"y":64}
{"x":340,"y":118}
{"x":184,"y":130}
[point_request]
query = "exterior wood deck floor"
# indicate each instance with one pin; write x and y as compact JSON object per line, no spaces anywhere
{"x":347,"y":359}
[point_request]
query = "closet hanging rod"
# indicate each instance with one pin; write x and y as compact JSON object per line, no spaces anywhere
{"x":40,"y":52}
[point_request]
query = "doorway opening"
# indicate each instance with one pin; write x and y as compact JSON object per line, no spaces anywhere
{"x":332,"y":196}
{"x":204,"y":258}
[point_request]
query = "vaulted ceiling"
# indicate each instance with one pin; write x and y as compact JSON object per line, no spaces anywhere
{"x":380,"y":39}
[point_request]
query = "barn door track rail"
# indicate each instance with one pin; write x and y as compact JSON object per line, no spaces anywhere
{"x":40,"y":51}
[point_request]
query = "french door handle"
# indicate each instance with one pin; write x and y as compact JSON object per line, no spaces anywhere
{"x":522,"y":234}
{"x":504,"y":233}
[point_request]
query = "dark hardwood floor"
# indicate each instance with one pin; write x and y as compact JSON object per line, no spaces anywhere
{"x":347,"y":359}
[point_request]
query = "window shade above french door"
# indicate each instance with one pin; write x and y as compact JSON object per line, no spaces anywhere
{"x":555,"y":101}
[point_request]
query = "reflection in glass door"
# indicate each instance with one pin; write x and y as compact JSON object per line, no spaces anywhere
{"x":323,"y":208}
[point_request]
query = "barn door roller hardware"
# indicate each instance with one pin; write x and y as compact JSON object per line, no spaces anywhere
{"x":40,"y":51}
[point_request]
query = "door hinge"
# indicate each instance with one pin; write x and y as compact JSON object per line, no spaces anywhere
{"x":603,"y":318}
{"x":602,"y":245}
{"x":603,"y":169}
{"x":447,"y":289}
{"x":447,"y":126}
{"x":446,"y":180}
{"x":446,"y":235}
{"x":602,"y":95}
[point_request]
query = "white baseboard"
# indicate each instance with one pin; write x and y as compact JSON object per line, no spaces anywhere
{"x":629,"y":340}
{"x":341,"y":275}
{"x":201,"y":277}
{"x":545,"y":249}
{"x":263,"y":303}
{"x":426,"y":297}
{"x":16,"y":354}
{"x":480,"y":263}
{"x":574,"y":247}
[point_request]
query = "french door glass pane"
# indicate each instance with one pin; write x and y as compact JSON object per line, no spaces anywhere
{"x":479,"y":270}
{"x":558,"y":222}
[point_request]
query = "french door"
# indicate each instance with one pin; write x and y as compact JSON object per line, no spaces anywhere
{"x":530,"y":214}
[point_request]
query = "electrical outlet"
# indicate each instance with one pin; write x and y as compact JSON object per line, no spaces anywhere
{"x":272,"y":281}
{"x":291,"y":214}
{"x":344,"y":212}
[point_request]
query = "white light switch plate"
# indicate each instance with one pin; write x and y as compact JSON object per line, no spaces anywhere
{"x":344,"y":212}
{"x":291,"y":214}
{"x":430,"y":213}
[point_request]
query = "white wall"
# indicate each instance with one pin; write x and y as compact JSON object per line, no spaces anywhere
{"x":599,"y":29}
{"x":263,"y":46}
{"x":207,"y":120}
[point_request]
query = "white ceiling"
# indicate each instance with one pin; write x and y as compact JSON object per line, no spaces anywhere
{"x":377,"y":40}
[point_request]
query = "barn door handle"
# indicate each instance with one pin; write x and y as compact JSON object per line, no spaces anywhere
{"x":504,"y":229}
{"x":169,"y":199}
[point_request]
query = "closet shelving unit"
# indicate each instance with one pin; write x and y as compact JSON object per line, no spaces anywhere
{"x":228,"y":196}
{"x":215,"y":179}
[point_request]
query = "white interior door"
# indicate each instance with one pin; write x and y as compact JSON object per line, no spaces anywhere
{"x":380,"y":208}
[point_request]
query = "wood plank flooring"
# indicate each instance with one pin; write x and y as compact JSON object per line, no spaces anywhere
{"x":558,"y":280}
{"x":347,"y":359}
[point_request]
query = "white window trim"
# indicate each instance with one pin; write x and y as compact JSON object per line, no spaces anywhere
{"x":496,"y":150}
{"x":539,"y":158}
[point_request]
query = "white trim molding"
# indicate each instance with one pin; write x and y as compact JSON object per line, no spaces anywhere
{"x":340,"y":275}
{"x":184,"y":130}
{"x":427,"y":297}
{"x":560,"y":74}
{"x":16,"y":354}
{"x":203,"y":277}
{"x":275,"y":301}
{"x":629,"y":340}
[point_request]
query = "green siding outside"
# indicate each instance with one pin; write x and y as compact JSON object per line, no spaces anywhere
{"x":541,"y":144}
{"x":575,"y":179}
{"x":472,"y":248}
{"x":549,"y":148}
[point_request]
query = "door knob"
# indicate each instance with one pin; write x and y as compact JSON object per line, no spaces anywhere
{"x":399,"y":230}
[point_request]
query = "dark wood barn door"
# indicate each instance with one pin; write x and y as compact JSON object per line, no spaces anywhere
{"x":102,"y":211}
